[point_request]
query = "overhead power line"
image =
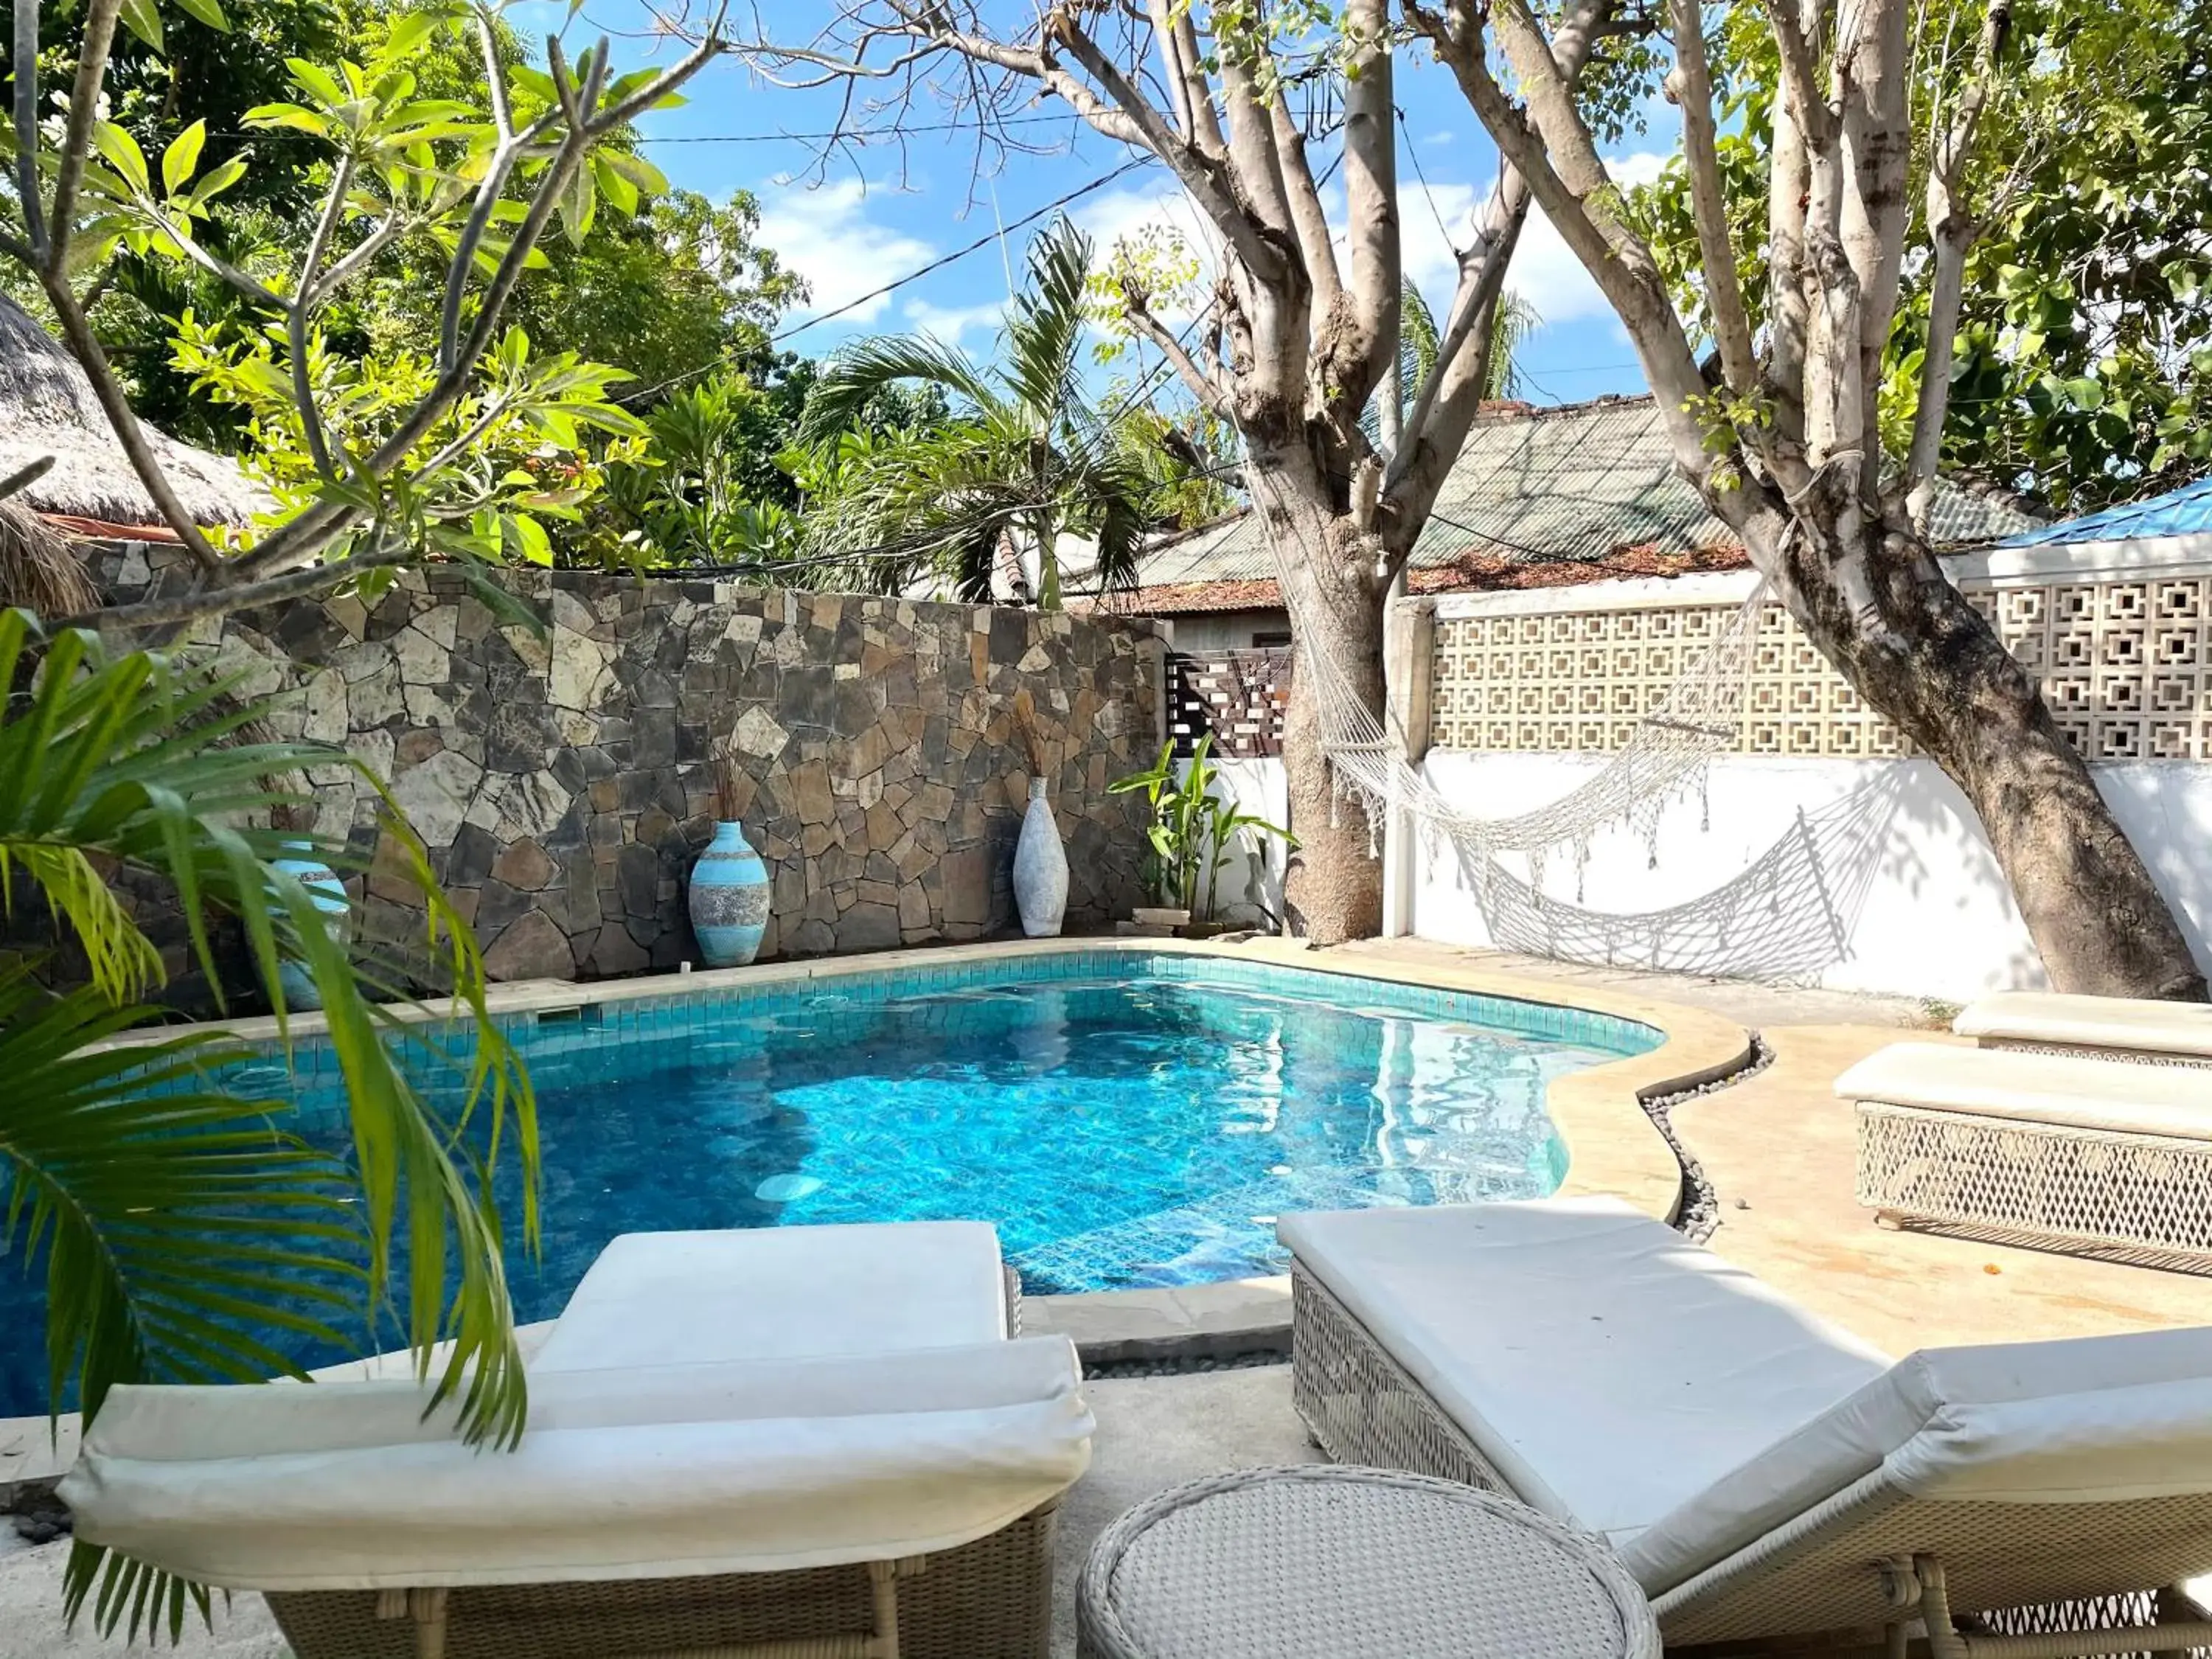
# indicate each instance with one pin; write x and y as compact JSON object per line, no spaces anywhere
{"x":848,"y":134}
{"x":895,"y":283}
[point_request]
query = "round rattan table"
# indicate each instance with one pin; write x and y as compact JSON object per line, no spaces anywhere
{"x":1323,"y":1562}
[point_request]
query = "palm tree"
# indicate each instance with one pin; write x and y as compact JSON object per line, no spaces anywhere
{"x":173,"y":1222}
{"x":1028,"y":456}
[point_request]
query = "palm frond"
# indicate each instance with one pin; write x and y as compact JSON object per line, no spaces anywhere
{"x":1511,"y":324}
{"x":1044,"y":327}
{"x":121,"y":960}
{"x":131,"y":759}
{"x":862,"y":369}
{"x":144,"y":1187}
{"x":1419,"y":343}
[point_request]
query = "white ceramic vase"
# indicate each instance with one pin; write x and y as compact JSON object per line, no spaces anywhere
{"x":1040,"y":868}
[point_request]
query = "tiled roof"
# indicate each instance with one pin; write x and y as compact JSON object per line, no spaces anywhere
{"x":2184,"y":512}
{"x":1470,"y":573}
{"x":1542,"y":498}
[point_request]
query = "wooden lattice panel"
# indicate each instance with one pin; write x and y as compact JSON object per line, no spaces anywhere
{"x":2123,"y":666}
{"x":1237,"y":695}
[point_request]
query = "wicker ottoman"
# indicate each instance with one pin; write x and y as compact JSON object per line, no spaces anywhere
{"x":1324,"y":1561}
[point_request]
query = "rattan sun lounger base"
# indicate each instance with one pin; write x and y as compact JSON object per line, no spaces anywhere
{"x":2140,"y":1199}
{"x":991,"y":1598}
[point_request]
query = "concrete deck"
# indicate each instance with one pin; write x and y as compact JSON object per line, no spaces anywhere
{"x":1780,"y":1150}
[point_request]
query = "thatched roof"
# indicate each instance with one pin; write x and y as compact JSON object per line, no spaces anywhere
{"x":47,"y":408}
{"x":39,"y":571}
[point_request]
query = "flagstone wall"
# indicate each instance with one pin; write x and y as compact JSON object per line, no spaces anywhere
{"x":559,"y":773}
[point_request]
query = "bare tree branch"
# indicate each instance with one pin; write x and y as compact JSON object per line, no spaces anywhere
{"x":1203,"y":176}
{"x":25,"y":475}
{"x":84,"y":109}
{"x":1691,"y":87}
{"x":1202,"y":385}
{"x":29,"y":191}
{"x":1315,"y":244}
{"x":1558,"y":156}
{"x":221,"y":600}
{"x":1358,"y":347}
{"x":1951,"y":230}
{"x":128,"y":433}
{"x":296,"y":319}
{"x":1181,"y":63}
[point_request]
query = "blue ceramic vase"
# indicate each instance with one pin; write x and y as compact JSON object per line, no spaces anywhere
{"x":329,"y":895}
{"x":729,"y":899}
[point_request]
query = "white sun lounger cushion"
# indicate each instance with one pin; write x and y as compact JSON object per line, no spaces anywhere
{"x":2130,"y":1023}
{"x":643,"y":1473}
{"x":1609,"y":1369}
{"x":781,"y":1293}
{"x":2094,"y":1419}
{"x":2073,"y":1092}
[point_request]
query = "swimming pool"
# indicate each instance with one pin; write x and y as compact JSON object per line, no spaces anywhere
{"x":1126,"y":1119}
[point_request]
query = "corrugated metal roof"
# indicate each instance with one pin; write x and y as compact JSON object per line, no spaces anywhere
{"x":2184,"y":512}
{"x":1581,"y":482}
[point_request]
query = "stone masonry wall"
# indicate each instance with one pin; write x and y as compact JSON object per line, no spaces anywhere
{"x":561,"y":779}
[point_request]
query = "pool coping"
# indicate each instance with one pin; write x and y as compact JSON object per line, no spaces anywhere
{"x":1614,"y":1148}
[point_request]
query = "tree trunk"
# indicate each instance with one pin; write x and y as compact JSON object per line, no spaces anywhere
{"x":1918,"y":652}
{"x":1332,"y":884}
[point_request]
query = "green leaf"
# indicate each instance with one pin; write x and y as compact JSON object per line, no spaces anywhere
{"x":580,"y":206}
{"x":2083,"y":392}
{"x":207,"y":12}
{"x":621,"y":194}
{"x":529,"y":538}
{"x":316,"y":82}
{"x":294,"y":116}
{"x":649,"y":179}
{"x":220,"y":178}
{"x":182,"y":158}
{"x":409,"y":31}
{"x":122,"y":153}
{"x":144,"y":19}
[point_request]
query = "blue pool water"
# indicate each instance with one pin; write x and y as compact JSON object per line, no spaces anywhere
{"x":1125,"y":1120}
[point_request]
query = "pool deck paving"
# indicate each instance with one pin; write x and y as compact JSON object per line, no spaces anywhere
{"x":1776,"y":1145}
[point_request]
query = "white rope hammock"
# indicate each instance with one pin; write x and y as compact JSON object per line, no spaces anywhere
{"x":1667,"y":756}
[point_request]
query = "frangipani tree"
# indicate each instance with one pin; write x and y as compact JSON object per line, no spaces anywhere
{"x":395,"y":462}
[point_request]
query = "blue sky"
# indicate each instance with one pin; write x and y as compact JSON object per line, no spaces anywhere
{"x":854,"y":223}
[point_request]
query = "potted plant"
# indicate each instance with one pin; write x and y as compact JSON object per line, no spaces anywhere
{"x":1193,"y":828}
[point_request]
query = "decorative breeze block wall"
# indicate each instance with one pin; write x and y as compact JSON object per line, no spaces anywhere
{"x":2125,"y":666}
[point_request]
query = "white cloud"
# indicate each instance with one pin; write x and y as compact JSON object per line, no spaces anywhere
{"x":949,"y":323}
{"x":1545,"y":271}
{"x":825,"y":234}
{"x":1548,"y":275}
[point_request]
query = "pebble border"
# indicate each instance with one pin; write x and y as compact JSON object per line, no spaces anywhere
{"x":1700,"y":1211}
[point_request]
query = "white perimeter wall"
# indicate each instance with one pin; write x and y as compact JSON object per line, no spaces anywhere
{"x":1907,"y":883}
{"x":1249,"y":892}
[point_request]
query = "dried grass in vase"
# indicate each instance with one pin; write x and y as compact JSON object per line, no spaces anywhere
{"x":1035,"y":746}
{"x":732,"y":790}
